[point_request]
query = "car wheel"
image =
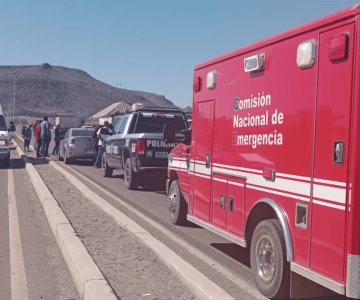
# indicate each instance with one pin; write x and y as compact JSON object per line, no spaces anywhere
{"x":66,"y":158}
{"x":270,"y":269}
{"x":107,"y":171}
{"x":177,"y":204}
{"x":60,"y":157}
{"x":130,"y":176}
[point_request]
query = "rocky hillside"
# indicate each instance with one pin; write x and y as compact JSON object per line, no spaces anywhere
{"x":51,"y":90}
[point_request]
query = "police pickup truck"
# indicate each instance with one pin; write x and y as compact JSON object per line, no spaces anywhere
{"x":136,"y":145}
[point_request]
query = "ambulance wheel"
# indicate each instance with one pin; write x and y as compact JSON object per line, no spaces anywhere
{"x":107,"y":171}
{"x":177,"y":204}
{"x":270,"y":269}
{"x":130,"y":176}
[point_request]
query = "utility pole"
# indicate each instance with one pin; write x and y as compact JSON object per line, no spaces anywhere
{"x":14,"y":96}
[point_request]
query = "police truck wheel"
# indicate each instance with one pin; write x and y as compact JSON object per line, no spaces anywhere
{"x":130,"y":176}
{"x":177,"y":204}
{"x":107,"y":171}
{"x":270,"y":269}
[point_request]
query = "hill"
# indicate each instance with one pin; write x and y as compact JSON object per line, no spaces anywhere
{"x":46,"y":89}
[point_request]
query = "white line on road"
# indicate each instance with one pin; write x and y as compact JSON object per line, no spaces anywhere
{"x":19,"y":289}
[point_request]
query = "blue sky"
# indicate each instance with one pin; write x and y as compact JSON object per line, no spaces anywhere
{"x":144,"y":45}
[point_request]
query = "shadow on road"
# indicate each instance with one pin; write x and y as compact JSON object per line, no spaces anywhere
{"x":235,"y":251}
{"x":38,"y":161}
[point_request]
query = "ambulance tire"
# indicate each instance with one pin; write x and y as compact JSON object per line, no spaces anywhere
{"x":177,"y":204}
{"x":107,"y":171}
{"x":131,"y":178}
{"x":270,"y":268}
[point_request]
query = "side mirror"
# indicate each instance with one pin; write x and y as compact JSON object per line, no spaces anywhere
{"x":169,"y":133}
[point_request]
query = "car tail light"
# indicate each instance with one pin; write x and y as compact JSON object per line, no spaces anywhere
{"x":72,"y":141}
{"x":140,"y":146}
{"x":4,"y":142}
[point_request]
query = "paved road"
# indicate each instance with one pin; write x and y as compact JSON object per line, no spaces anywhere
{"x":232,"y":259}
{"x":30,"y":262}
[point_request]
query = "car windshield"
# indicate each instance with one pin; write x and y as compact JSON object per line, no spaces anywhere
{"x":155,"y":123}
{"x":82,"y":132}
{"x":2,"y":123}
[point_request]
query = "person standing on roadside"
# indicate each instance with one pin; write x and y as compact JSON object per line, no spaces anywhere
{"x":95,"y":139}
{"x":23,"y":130}
{"x":27,"y":137}
{"x":56,"y":139}
{"x":37,"y":133}
{"x":45,"y":129}
{"x":100,"y":143}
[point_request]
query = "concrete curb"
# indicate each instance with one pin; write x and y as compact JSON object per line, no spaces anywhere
{"x":88,"y":279}
{"x":203,"y":287}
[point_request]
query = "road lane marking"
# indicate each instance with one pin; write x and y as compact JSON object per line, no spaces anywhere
{"x":19,"y":288}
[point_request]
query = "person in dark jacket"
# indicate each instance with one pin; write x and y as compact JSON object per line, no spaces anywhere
{"x":27,"y":137}
{"x":45,"y":136}
{"x":56,"y":139}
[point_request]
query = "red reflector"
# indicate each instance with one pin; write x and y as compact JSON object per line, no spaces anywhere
{"x":338,"y":47}
{"x":197,"y":83}
{"x":269,"y":174}
{"x":140,"y":146}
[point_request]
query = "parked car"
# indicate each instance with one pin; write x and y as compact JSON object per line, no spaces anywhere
{"x":77,"y":144}
{"x":5,"y":140}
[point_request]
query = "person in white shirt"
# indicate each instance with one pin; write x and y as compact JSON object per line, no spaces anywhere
{"x":100,"y":143}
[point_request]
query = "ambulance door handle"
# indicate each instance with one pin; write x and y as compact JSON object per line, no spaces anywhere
{"x":207,"y":161}
{"x":338,"y":157}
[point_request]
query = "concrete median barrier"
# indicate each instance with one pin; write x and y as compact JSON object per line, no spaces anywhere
{"x":88,"y":279}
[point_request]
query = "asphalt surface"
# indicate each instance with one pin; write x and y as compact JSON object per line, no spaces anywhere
{"x":152,"y":203}
{"x":30,"y":262}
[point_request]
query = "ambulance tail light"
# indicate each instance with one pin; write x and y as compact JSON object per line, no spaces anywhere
{"x":140,"y":146}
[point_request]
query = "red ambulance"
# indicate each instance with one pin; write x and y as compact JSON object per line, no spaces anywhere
{"x":273,"y":162}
